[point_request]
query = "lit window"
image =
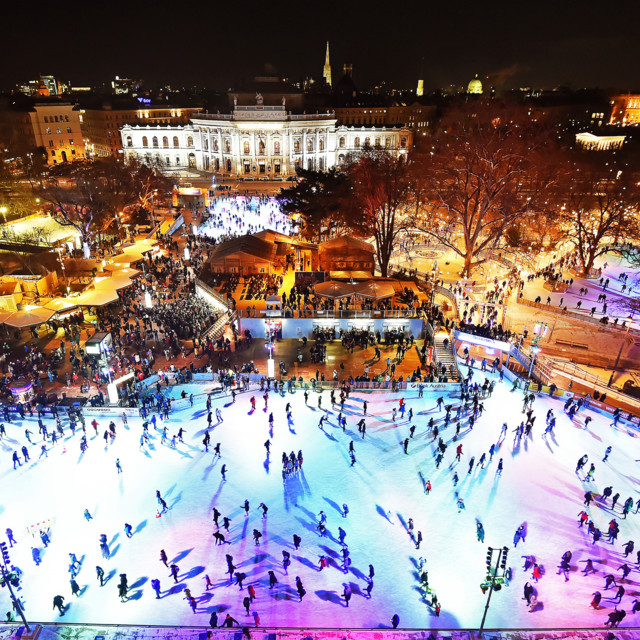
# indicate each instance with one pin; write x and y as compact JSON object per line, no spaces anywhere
{"x":165,"y":142}
{"x":155,"y":141}
{"x":68,"y":129}
{"x":245,"y":147}
{"x":51,"y":143}
{"x":175,"y":141}
{"x":189,"y":141}
{"x":356,"y":143}
{"x":58,"y":130}
{"x":129,"y":141}
{"x":145,"y":141}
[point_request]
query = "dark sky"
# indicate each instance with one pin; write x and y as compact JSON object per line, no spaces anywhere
{"x":215,"y":43}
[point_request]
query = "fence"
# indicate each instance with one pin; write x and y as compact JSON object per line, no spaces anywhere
{"x":577,"y":316}
{"x":331,"y":313}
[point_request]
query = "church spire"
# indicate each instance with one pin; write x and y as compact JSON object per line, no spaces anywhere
{"x":326,"y":72}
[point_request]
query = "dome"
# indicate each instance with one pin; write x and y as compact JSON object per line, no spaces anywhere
{"x":475,"y":86}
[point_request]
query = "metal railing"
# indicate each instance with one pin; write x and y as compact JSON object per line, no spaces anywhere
{"x":372,"y":314}
{"x":577,"y":316}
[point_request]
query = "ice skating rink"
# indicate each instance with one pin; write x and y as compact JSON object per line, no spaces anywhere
{"x":538,"y":487}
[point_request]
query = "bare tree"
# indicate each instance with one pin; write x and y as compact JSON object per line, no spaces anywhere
{"x":381,"y":197}
{"x":600,"y":209}
{"x":488,"y":167}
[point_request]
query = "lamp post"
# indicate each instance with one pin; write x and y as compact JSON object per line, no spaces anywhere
{"x":534,"y":352}
{"x":3,"y":211}
{"x":7,"y":581}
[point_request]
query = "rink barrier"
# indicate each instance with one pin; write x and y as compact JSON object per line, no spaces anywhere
{"x":246,"y":632}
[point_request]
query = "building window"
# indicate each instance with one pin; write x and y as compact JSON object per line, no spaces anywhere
{"x":378,"y":142}
{"x":48,"y":130}
{"x":261,"y":147}
{"x":309,"y":145}
{"x":341,"y":143}
{"x":367,"y":142}
{"x":189,"y":141}
{"x":56,"y":118}
{"x":215,"y":145}
{"x":387,"y":143}
{"x":321,"y":163}
{"x":71,"y":142}
{"x":177,"y":161}
{"x":165,"y":142}
{"x":51,"y":143}
{"x":68,"y":129}
{"x":175,"y":141}
{"x":145,"y":142}
{"x":227,"y":148}
{"x":155,"y":141}
{"x":403,"y":143}
{"x":321,"y":144}
{"x":66,"y":118}
{"x":341,"y":159}
{"x":58,"y":130}
{"x":276,"y":148}
{"x":296,"y":146}
{"x":245,"y":147}
{"x":129,"y":141}
{"x":46,"y":119}
{"x":53,"y":152}
{"x":356,"y":143}
{"x":167,"y":161}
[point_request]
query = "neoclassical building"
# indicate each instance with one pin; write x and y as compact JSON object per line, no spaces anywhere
{"x":259,"y":141}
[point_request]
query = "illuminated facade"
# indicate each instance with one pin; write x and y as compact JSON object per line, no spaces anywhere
{"x":591,"y":142}
{"x":475,"y":86}
{"x":625,"y":109}
{"x":257,"y":141}
{"x":101,"y":126}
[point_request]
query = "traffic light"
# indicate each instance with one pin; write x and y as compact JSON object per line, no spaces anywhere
{"x":5,"y":553}
{"x":489,"y":557}
{"x":484,"y":586}
{"x":503,"y":559}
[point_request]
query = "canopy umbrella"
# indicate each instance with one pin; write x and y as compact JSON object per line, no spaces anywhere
{"x":60,"y":304}
{"x":4,"y":315}
{"x":334,"y":290}
{"x":375,"y":289}
{"x":29,"y":317}
{"x":96,"y":298}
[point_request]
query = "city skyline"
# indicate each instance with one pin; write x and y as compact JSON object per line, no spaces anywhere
{"x":546,"y":47}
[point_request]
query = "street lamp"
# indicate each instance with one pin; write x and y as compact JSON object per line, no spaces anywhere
{"x":3,"y":211}
{"x":534,"y":352}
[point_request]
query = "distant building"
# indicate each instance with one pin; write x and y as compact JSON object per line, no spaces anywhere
{"x":475,"y":86}
{"x":592,"y":142}
{"x":625,"y":109}
{"x":258,"y":141}
{"x":101,"y":122}
{"x":125,"y":86}
{"x":326,"y":72}
{"x":49,"y":123}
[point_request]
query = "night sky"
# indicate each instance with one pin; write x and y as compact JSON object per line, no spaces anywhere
{"x":217,"y":44}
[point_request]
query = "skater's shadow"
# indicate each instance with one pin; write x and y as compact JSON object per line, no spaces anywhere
{"x":177,"y":498}
{"x":383,"y":513}
{"x":115,"y":537}
{"x":329,"y":551}
{"x":194,"y":571}
{"x":358,"y":574}
{"x":136,"y":595}
{"x":307,"y":525}
{"x":114,"y":551}
{"x":265,"y":464}
{"x":139,"y":582}
{"x":109,"y":576}
{"x":329,"y":596}
{"x":333,"y":504}
{"x":328,"y":435}
{"x":261,"y":557}
{"x":140,"y":527}
{"x":181,"y":555}
{"x":307,"y":563}
{"x":176,"y":588}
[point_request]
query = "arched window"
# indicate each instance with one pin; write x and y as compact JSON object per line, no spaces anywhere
{"x":341,"y":159}
{"x":321,"y":163}
{"x":403,"y":143}
{"x":227,"y":147}
{"x":189,"y":141}
{"x":165,"y":142}
{"x":296,"y":146}
{"x":215,"y":145}
{"x":321,"y":144}
{"x":155,"y":141}
{"x":341,"y":143}
{"x":378,"y":141}
{"x":245,"y":147}
{"x":177,"y":161}
{"x":175,"y":141}
{"x":356,"y":143}
{"x":367,"y":142}
{"x":261,"y":147}
{"x":145,"y":142}
{"x":387,"y":143}
{"x":206,"y":144}
{"x":309,"y":144}
{"x":276,"y":148}
{"x":129,"y":141}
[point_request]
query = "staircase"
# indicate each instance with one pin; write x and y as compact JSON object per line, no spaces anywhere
{"x":445,"y":355}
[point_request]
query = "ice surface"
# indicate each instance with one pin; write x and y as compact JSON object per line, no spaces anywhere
{"x":538,"y":487}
